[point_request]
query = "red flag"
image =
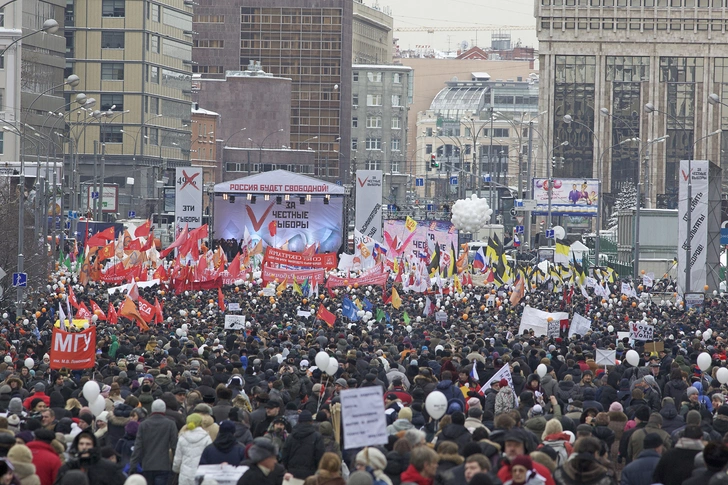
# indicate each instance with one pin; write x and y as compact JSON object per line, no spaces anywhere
{"x":310,"y":251}
{"x":129,"y":310}
{"x":148,"y":245}
{"x":113,"y":317}
{"x":72,"y":297}
{"x":83,"y":312}
{"x":181,"y":239}
{"x":199,"y":233}
{"x":159,"y":317}
{"x":100,"y":238}
{"x":144,"y":229}
{"x":234,"y":266}
{"x":133,"y":291}
{"x":220,"y":300}
{"x":324,"y":314}
{"x":106,"y":252}
{"x":97,"y":310}
{"x":135,"y":245}
{"x":272,"y":228}
{"x":147,"y":310}
{"x":160,"y":273}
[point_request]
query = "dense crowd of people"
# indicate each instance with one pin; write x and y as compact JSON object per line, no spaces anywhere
{"x":188,"y":393}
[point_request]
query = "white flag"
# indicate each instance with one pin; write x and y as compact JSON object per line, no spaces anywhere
{"x":62,"y":317}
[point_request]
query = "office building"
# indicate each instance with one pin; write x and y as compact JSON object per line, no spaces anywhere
{"x":381,"y":95}
{"x":458,"y":131}
{"x":135,"y":59}
{"x":309,"y":42}
{"x":602,"y":61}
{"x":40,"y":58}
{"x":373,"y":34}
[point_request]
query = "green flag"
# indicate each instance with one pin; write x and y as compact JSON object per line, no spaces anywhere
{"x":65,"y":261}
{"x":380,"y":314}
{"x":79,"y":263}
{"x":406,"y":318}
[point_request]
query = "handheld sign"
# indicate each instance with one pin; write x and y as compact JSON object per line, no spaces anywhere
{"x":363,"y":418}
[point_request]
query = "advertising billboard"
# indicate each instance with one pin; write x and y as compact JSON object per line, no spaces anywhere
{"x":369,"y":203}
{"x":442,"y":233}
{"x":188,"y":198}
{"x":569,"y":197}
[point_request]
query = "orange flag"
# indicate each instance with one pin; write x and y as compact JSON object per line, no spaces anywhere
{"x":106,"y":252}
{"x":129,"y":310}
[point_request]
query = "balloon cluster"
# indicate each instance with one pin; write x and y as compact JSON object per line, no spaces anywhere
{"x":327,"y":364}
{"x":471,"y":214}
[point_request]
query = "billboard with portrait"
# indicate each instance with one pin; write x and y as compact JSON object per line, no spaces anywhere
{"x":442,"y":233}
{"x":569,"y":197}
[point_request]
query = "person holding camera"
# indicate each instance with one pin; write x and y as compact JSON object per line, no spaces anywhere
{"x":85,"y":455}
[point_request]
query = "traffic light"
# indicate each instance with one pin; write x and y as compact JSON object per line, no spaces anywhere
{"x":433,"y":161}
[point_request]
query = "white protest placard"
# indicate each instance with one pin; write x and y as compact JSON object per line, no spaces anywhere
{"x":648,"y":279}
{"x":441,"y":316}
{"x":628,"y":290}
{"x":490,"y":302}
{"x":234,"y":322}
{"x":579,"y":325}
{"x":538,"y":320}
{"x":234,"y":306}
{"x":363,"y":418}
{"x":606,"y":357}
{"x":621,"y":335}
{"x":591,"y":282}
{"x":222,"y":474}
{"x":641,"y":331}
{"x":302,"y":313}
{"x":554,"y":329}
{"x":269,"y":291}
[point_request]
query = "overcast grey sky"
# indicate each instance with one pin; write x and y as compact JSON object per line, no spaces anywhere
{"x":452,"y":13}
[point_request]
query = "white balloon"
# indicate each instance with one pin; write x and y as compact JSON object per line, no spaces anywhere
{"x":633,"y":358}
{"x":29,"y":363}
{"x":98,"y":405}
{"x":704,"y":361}
{"x":541,"y":370}
{"x":91,"y":391}
{"x":722,"y":375}
{"x":610,"y":328}
{"x":94,"y":318}
{"x":333,"y":366}
{"x":706,"y":335}
{"x":179,"y":332}
{"x":436,"y":404}
{"x":185,"y":327}
{"x":322,"y":361}
{"x":698,"y":333}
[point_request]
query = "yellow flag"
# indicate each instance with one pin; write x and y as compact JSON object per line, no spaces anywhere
{"x":410,"y":224}
{"x":458,"y":285}
{"x":282,"y":287}
{"x":396,"y":300}
{"x":296,"y":286}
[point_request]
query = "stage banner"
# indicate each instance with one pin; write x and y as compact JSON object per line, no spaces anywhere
{"x":289,"y":225}
{"x":74,"y":351}
{"x":188,"y":198}
{"x":369,"y":203}
{"x":699,"y":219}
{"x":572,"y":197}
{"x":289,"y":258}
{"x":272,"y":274}
{"x":379,"y":279}
{"x":442,"y":233}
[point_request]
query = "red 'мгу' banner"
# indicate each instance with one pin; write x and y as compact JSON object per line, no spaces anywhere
{"x":289,"y":258}
{"x":73,"y":351}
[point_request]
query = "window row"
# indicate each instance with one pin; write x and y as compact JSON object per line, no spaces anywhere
{"x":209,"y":19}
{"x":376,"y":100}
{"x":209,"y":43}
{"x":570,"y":23}
{"x":267,"y":167}
{"x":636,"y":3}
{"x":376,"y":122}
{"x":378,"y":76}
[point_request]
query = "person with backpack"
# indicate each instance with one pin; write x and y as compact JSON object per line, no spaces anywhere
{"x":373,"y":461}
{"x":505,"y":400}
{"x":554,"y":437}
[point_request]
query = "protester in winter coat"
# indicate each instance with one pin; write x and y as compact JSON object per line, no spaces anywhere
{"x":22,"y":460}
{"x":505,"y":400}
{"x":192,"y":442}
{"x":640,"y":471}
{"x":671,"y":420}
{"x":125,"y":446}
{"x":584,"y":468}
{"x":554,"y":437}
{"x":373,"y":460}
{"x":676,"y":465}
{"x":523,"y":473}
{"x":456,"y":432}
{"x":328,"y":473}
{"x":156,"y":437}
{"x":402,"y":423}
{"x":398,"y":460}
{"x":676,"y":386}
{"x":303,"y":449}
{"x":225,"y":449}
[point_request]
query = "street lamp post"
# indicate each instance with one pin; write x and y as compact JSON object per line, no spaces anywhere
{"x":649,"y":109}
{"x":568,"y":119}
{"x":549,"y":179}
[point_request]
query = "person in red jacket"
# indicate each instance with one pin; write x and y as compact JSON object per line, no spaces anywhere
{"x":422,"y":468}
{"x":38,"y":394}
{"x":46,"y":460}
